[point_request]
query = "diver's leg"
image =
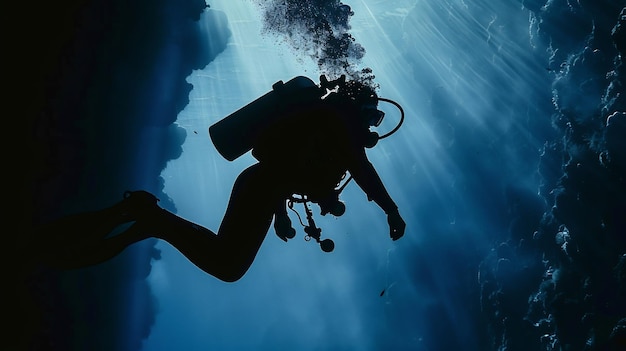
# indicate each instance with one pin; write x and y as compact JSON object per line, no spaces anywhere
{"x":226,"y":256}
{"x":251,"y":207}
{"x":93,"y":225}
{"x":229,"y":254}
{"x":90,"y":252}
{"x":53,"y":243}
{"x":77,"y":240}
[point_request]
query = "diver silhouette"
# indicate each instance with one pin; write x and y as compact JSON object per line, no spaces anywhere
{"x":305,"y":137}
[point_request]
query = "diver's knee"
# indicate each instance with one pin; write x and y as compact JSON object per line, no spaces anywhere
{"x":230,"y":275}
{"x":230,"y":278}
{"x":231,"y":268}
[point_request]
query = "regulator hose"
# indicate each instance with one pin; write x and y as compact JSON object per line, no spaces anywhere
{"x":395,"y":129}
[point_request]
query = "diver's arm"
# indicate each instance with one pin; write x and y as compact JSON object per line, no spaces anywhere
{"x":368,"y":179}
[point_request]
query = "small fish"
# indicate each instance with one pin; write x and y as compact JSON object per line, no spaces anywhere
{"x":385,"y":289}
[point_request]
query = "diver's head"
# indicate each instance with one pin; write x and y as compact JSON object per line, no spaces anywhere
{"x":365,"y":99}
{"x":371,"y":115}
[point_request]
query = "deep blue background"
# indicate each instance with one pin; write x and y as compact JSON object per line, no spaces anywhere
{"x":523,"y":249}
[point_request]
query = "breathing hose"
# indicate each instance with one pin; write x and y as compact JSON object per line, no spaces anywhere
{"x":395,"y":129}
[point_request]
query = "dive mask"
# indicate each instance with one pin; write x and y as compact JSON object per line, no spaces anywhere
{"x":372,"y":115}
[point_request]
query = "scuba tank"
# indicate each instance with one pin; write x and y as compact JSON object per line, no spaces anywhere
{"x":238,"y":132}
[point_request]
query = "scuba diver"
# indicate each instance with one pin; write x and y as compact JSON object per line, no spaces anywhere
{"x":306,"y":139}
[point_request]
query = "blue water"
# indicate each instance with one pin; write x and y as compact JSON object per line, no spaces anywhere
{"x":509,"y":171}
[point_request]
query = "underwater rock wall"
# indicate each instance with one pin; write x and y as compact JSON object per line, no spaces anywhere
{"x":563,"y":287}
{"x":108,"y":82}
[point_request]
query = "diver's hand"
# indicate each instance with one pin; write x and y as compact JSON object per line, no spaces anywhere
{"x":283,"y":228}
{"x":396,"y":225}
